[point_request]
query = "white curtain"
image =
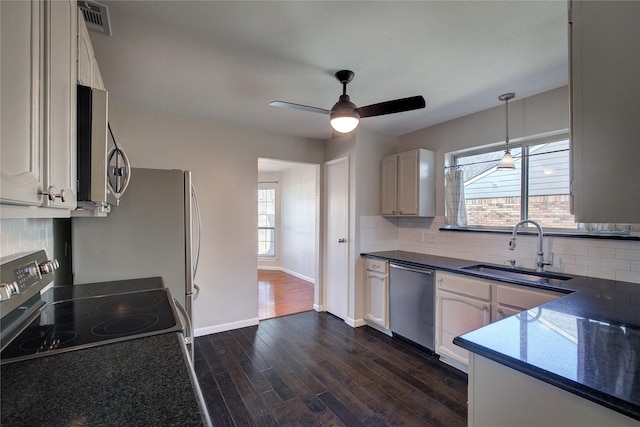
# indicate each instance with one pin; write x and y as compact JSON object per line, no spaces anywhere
{"x":455,"y":207}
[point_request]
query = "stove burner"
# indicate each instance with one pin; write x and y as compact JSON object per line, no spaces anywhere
{"x":49,"y":340}
{"x":133,"y":302}
{"x":125,"y":325}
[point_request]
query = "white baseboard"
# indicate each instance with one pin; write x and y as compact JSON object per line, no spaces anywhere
{"x":355,"y":323}
{"x":378,"y":327}
{"x":198,"y":332}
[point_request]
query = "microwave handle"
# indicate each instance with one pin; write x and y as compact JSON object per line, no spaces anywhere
{"x":122,"y":174}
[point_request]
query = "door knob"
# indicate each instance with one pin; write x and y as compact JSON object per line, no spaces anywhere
{"x":342,"y":240}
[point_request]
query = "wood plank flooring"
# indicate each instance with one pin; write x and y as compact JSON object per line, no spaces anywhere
{"x":312,"y":369}
{"x":281,"y":294}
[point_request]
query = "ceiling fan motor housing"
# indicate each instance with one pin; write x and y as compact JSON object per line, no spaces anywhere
{"x":344,"y":105}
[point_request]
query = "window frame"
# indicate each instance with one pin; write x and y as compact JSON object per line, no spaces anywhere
{"x":269,"y":185}
{"x":524,"y":145}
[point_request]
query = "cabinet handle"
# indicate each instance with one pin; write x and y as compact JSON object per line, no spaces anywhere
{"x":51,"y":194}
{"x":342,"y":240}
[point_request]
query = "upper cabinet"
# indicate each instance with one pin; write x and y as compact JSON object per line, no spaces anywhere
{"x":60,"y":104}
{"x":605,"y":111}
{"x":408,"y":184}
{"x":21,"y":107}
{"x":38,"y":108}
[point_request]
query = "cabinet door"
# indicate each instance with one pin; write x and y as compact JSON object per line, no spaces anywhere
{"x":408,"y":182}
{"x":60,"y":105}
{"x":21,"y":115}
{"x":377,"y":289}
{"x":503,"y":311}
{"x":457,"y":315}
{"x":605,"y":41}
{"x":389,"y":185}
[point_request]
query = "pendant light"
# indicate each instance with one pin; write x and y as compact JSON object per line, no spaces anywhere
{"x":507,"y":163}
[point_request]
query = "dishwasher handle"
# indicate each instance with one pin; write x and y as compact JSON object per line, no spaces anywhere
{"x":416,"y":270}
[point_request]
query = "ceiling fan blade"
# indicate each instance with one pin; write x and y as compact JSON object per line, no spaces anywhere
{"x":298,"y":107}
{"x":391,"y":107}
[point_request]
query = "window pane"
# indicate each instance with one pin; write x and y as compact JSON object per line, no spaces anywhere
{"x":266,"y":222}
{"x":266,"y":242}
{"x":548,"y":201}
{"x":492,"y":196}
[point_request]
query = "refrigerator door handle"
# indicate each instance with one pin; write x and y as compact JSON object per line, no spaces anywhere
{"x":198,"y":230}
{"x":188,"y":339}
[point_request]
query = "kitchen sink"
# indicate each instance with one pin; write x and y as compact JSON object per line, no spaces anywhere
{"x":517,"y":274}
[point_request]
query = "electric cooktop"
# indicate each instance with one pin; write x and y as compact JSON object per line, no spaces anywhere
{"x":87,"y":322}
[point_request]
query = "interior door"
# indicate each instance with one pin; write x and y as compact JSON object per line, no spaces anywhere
{"x":337,"y":244}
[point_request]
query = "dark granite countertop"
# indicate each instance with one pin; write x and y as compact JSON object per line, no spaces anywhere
{"x":144,"y":381}
{"x":587,"y":342}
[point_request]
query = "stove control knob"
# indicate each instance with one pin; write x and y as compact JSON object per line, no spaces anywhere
{"x":8,"y":289}
{"x":48,"y":266}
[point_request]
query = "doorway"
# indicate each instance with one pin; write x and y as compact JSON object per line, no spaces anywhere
{"x":288,"y":242}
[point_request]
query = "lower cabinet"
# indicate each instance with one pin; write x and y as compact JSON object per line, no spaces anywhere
{"x":377,"y":292}
{"x":462,"y":305}
{"x":515,"y":299}
{"x":500,"y":396}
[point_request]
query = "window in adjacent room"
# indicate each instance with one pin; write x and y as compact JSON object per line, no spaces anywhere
{"x":267,"y":220}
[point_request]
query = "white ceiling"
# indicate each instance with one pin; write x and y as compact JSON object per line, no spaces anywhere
{"x":226,"y":60}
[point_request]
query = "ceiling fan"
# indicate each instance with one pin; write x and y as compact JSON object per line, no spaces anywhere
{"x":344,"y":116}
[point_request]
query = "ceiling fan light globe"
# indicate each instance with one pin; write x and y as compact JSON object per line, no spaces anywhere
{"x":506,"y":162}
{"x":344,"y":124}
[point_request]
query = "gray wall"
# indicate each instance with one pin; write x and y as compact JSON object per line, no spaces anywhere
{"x":223,"y":159}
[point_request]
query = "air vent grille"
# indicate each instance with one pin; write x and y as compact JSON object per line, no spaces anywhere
{"x":96,"y":16}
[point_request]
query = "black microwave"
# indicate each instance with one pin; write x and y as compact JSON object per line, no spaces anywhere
{"x":102,"y":166}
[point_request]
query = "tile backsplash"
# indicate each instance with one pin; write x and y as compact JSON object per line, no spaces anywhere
{"x":26,"y":234}
{"x":602,"y":258}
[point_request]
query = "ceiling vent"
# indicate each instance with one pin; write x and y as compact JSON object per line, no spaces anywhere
{"x":96,"y":16}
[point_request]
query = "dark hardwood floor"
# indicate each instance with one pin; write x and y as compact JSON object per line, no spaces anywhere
{"x":312,"y":369}
{"x":281,"y":294}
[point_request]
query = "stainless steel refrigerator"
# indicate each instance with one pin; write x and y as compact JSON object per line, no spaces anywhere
{"x":154,"y":232}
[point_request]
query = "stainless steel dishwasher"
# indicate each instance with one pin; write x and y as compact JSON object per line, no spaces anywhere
{"x":412,"y":304}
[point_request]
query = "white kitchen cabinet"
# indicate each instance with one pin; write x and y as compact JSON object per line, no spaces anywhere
{"x":21,"y":107}
{"x":38,"y":108}
{"x":501,"y":396}
{"x":513,"y":299}
{"x":377,"y":292}
{"x":462,"y":305}
{"x":389,"y":185}
{"x":604,"y":69}
{"x":60,"y":103}
{"x":465,"y":303}
{"x":88,"y":70}
{"x":408,"y":184}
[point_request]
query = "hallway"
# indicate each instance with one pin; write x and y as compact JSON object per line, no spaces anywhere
{"x":281,"y":294}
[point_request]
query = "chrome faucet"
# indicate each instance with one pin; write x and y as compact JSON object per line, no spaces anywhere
{"x":540,"y":261}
